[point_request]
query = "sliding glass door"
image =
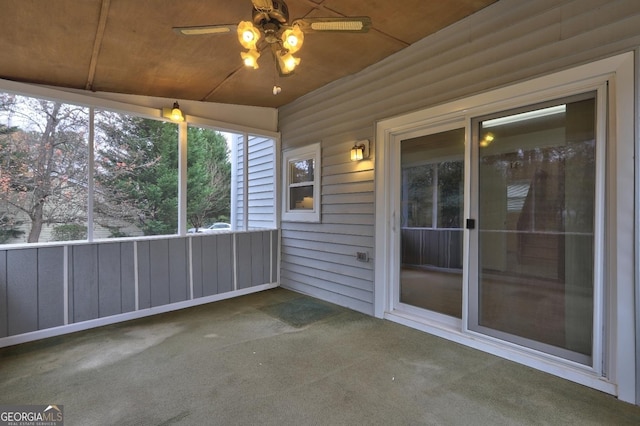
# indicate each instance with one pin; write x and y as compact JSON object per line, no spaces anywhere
{"x":431,"y":238}
{"x":535,"y":180}
{"x":530,"y":228}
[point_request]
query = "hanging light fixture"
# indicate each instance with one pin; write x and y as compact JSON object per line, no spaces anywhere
{"x":173,"y":113}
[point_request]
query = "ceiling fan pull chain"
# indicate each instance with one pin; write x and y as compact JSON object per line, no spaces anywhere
{"x":276,"y":89}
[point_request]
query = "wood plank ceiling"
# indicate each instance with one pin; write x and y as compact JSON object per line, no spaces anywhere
{"x":128,"y":46}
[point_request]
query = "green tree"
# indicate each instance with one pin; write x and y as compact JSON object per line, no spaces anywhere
{"x":208,"y":177}
{"x":137,"y":173}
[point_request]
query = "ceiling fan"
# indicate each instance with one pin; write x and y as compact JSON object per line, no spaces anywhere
{"x":270,"y":28}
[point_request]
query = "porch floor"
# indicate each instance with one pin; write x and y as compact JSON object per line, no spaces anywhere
{"x":281,"y":358}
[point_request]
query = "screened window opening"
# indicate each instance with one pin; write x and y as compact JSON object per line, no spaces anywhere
{"x":72,"y":173}
{"x":208,"y":181}
{"x":136,"y":176}
{"x":44,"y":162}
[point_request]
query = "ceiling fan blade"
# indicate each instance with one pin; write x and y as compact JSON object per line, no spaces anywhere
{"x":206,"y":29}
{"x":263,"y":5}
{"x":354,"y":24}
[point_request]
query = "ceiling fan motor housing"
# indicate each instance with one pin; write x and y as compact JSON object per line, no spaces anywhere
{"x":279,"y":13}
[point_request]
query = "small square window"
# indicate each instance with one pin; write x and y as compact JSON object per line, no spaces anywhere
{"x":301,"y":200}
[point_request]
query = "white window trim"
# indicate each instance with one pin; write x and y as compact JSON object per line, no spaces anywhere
{"x":312,"y":151}
{"x":620,"y":350}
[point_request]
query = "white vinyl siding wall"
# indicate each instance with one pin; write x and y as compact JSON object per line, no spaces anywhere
{"x":320,"y":258}
{"x":261,"y":183}
{"x":237,"y":182}
{"x":507,"y":42}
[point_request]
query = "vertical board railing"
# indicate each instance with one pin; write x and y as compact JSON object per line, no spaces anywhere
{"x":112,"y":281}
{"x":441,"y":248}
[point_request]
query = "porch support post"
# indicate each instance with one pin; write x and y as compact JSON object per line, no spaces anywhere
{"x":182,"y":178}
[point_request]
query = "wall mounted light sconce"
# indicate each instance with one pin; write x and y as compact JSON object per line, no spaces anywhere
{"x":174,"y":113}
{"x":360,"y":150}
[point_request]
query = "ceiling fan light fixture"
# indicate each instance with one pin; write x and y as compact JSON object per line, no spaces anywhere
{"x":250,"y":58}
{"x":292,"y":39}
{"x":288,"y":63}
{"x":248,"y":35}
{"x":270,"y":26}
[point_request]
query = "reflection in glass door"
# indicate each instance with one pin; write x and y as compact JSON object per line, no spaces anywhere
{"x":431,"y":240}
{"x":536,"y":189}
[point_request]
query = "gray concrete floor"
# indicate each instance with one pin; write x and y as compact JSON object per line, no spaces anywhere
{"x":280,"y":358}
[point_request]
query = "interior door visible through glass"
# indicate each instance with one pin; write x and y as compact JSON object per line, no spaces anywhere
{"x":431,"y":240}
{"x":536,"y":225}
